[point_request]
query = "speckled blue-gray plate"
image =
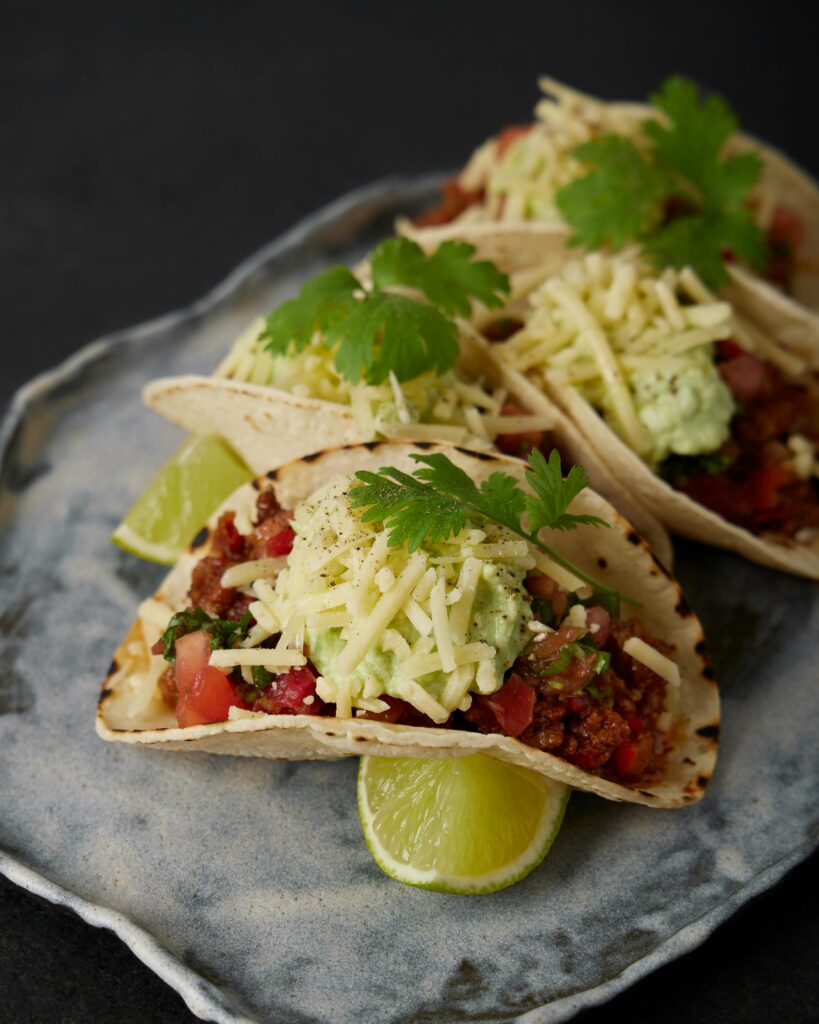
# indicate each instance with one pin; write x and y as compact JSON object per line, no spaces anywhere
{"x":246,"y":884}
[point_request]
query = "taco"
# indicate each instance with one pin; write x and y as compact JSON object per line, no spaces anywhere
{"x":308,"y":622}
{"x":525,"y":176}
{"x":707,"y":410}
{"x":287,"y":387}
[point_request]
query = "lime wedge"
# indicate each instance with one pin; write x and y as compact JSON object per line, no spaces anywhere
{"x":179,"y":499}
{"x":459,"y":825}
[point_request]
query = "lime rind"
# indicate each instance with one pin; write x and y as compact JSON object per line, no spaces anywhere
{"x":129,"y":540}
{"x":498,"y":800}
{"x":180,"y":498}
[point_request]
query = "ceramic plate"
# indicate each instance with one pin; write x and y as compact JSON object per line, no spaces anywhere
{"x":246,"y":884}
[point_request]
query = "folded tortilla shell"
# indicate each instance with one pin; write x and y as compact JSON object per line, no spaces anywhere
{"x":617,"y":556}
{"x":268,"y":427}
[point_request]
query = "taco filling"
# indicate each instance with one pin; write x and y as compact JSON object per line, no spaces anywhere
{"x":710,"y":404}
{"x":541,"y":172}
{"x":312,"y":611}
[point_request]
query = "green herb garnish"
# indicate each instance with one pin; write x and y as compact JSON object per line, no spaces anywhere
{"x":435,"y":502}
{"x":378,"y":329}
{"x":262,"y":677}
{"x":223,"y":633}
{"x":626,"y":195}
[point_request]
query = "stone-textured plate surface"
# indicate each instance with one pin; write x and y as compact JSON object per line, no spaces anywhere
{"x":246,"y":885}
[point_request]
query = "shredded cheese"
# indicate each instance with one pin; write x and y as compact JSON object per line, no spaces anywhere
{"x":609,"y":326}
{"x":649,"y":656}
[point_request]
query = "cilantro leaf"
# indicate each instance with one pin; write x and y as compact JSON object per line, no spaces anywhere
{"x":323,"y":304}
{"x":385,"y":332}
{"x":701,"y":241}
{"x":412,"y":511}
{"x":690,"y":146}
{"x":378,"y":331}
{"x":553,"y":494}
{"x":223,"y":632}
{"x":625,"y":195}
{"x":449,"y":277}
{"x":619,"y":200}
{"x":434,"y":504}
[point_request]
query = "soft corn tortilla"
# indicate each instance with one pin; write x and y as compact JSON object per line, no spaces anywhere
{"x":792,"y":327}
{"x":617,"y":556}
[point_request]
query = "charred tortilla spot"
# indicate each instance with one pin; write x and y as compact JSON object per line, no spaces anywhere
{"x":633,"y":538}
{"x":273,"y":474}
{"x":481,"y":456}
{"x":700,"y":647}
{"x":645,"y":792}
{"x":709,"y":731}
{"x":360,"y":739}
{"x":371,"y":447}
{"x":682,"y":608}
{"x":256,"y":485}
{"x":113,"y":667}
{"x":200,"y":538}
{"x":311,"y":457}
{"x":688,"y":760}
{"x":703,"y":781}
{"x":708,"y":672}
{"x":423,"y":445}
{"x":106,"y":692}
{"x":602,"y":563}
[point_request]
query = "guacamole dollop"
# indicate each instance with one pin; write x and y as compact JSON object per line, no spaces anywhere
{"x":685,"y":411}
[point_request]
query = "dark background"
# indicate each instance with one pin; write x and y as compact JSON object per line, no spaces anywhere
{"x":145,"y":150}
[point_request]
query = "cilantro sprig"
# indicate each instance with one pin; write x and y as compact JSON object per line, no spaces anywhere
{"x":627,"y":194}
{"x":223,"y":633}
{"x":435,"y":501}
{"x":379,"y":329}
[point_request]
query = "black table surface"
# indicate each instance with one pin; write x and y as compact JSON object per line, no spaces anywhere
{"x":148,"y":148}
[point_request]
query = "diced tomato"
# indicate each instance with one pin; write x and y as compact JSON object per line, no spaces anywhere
{"x":513,"y":706}
{"x":192,"y":655}
{"x":518,"y":444}
{"x":745,"y":376}
{"x":636,"y":725}
{"x":766,"y":485}
{"x":598,"y":616}
{"x":208,"y":700}
{"x":281,"y":542}
{"x":632,"y":757}
{"x":205,"y":693}
{"x":396,"y":709}
{"x":509,"y":135}
{"x":287,"y":693}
